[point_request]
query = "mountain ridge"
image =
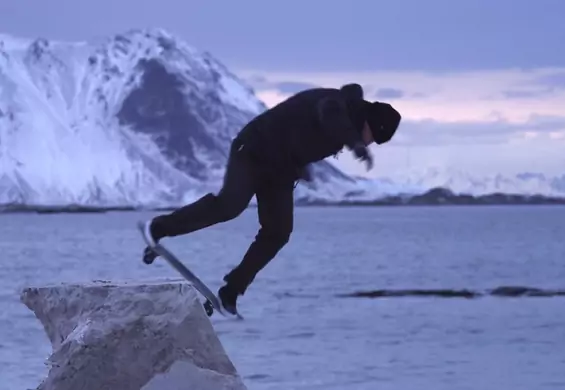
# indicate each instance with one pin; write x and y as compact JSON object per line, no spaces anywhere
{"x":465,"y":183}
{"x":434,"y":197}
{"x":141,"y":119}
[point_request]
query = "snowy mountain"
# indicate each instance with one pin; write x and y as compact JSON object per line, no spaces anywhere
{"x":143,"y":119}
{"x":140,"y":118}
{"x":465,"y":183}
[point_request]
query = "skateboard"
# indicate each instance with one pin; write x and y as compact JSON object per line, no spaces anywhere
{"x":212,"y":301}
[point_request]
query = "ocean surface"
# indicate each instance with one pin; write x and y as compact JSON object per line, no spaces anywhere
{"x":299,"y":333}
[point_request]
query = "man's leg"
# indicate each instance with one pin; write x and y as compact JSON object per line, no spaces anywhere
{"x":240,"y":184}
{"x":275,"y":206}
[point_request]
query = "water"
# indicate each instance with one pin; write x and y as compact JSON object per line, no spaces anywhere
{"x":297,"y":333}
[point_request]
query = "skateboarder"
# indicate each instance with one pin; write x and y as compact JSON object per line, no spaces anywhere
{"x":268,"y":156}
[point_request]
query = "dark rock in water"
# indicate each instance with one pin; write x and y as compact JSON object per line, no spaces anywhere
{"x":57,"y":209}
{"x":519,"y":291}
{"x":503,"y":291}
{"x":442,"y":293}
{"x":434,"y":196}
{"x":444,"y":196}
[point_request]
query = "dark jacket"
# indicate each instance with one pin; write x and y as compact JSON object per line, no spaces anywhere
{"x":307,"y":127}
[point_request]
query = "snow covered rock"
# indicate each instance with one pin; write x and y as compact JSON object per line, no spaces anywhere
{"x":461,"y":182}
{"x":142,"y":119}
{"x":130,"y":337}
{"x":136,"y":119}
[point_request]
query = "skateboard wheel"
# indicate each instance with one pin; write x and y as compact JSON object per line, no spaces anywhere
{"x":208,"y":308}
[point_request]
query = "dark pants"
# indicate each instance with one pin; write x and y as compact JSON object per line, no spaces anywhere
{"x":243,"y":179}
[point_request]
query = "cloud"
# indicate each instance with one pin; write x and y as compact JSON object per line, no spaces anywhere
{"x":263,"y":83}
{"x":256,"y":79}
{"x":527,"y":94}
{"x":291,"y":87}
{"x":433,"y":35}
{"x":389,"y":93}
{"x":434,"y":132}
{"x":513,"y":94}
{"x":504,"y":120}
{"x":552,"y":80}
{"x":547,"y":83}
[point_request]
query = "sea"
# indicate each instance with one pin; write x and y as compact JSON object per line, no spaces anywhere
{"x":323,"y":314}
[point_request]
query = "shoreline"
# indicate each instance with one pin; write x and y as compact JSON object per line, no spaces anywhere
{"x":434,"y":197}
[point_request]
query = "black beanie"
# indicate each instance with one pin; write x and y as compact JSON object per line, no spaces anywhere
{"x":383,"y":120}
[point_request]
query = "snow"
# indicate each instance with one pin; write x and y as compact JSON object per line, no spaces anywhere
{"x":58,"y":129}
{"x":240,"y":96}
{"x":10,"y":43}
{"x":464,"y":182}
{"x":61,"y":141}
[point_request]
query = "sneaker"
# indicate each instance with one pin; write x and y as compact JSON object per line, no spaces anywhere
{"x":228,"y":298}
{"x":149,"y":255}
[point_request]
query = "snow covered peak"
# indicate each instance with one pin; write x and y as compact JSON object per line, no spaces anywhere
{"x":464,"y":182}
{"x":124,"y":54}
{"x":11,"y":43}
{"x":142,"y":118}
{"x":136,"y":118}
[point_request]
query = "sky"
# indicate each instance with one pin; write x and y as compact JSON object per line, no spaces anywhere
{"x":480,"y":83}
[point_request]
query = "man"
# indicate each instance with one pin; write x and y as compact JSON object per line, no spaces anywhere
{"x":266,"y":158}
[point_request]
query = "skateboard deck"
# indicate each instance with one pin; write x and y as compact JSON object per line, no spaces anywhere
{"x":212,"y":301}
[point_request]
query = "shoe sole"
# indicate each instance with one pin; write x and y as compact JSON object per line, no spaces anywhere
{"x":148,"y":258}
{"x":147,"y":233}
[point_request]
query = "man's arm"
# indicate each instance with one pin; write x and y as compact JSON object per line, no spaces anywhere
{"x":334,"y":118}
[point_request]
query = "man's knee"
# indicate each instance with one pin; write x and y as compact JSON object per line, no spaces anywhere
{"x":277,"y":236}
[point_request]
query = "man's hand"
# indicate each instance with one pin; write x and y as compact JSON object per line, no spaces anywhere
{"x":362,"y":153}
